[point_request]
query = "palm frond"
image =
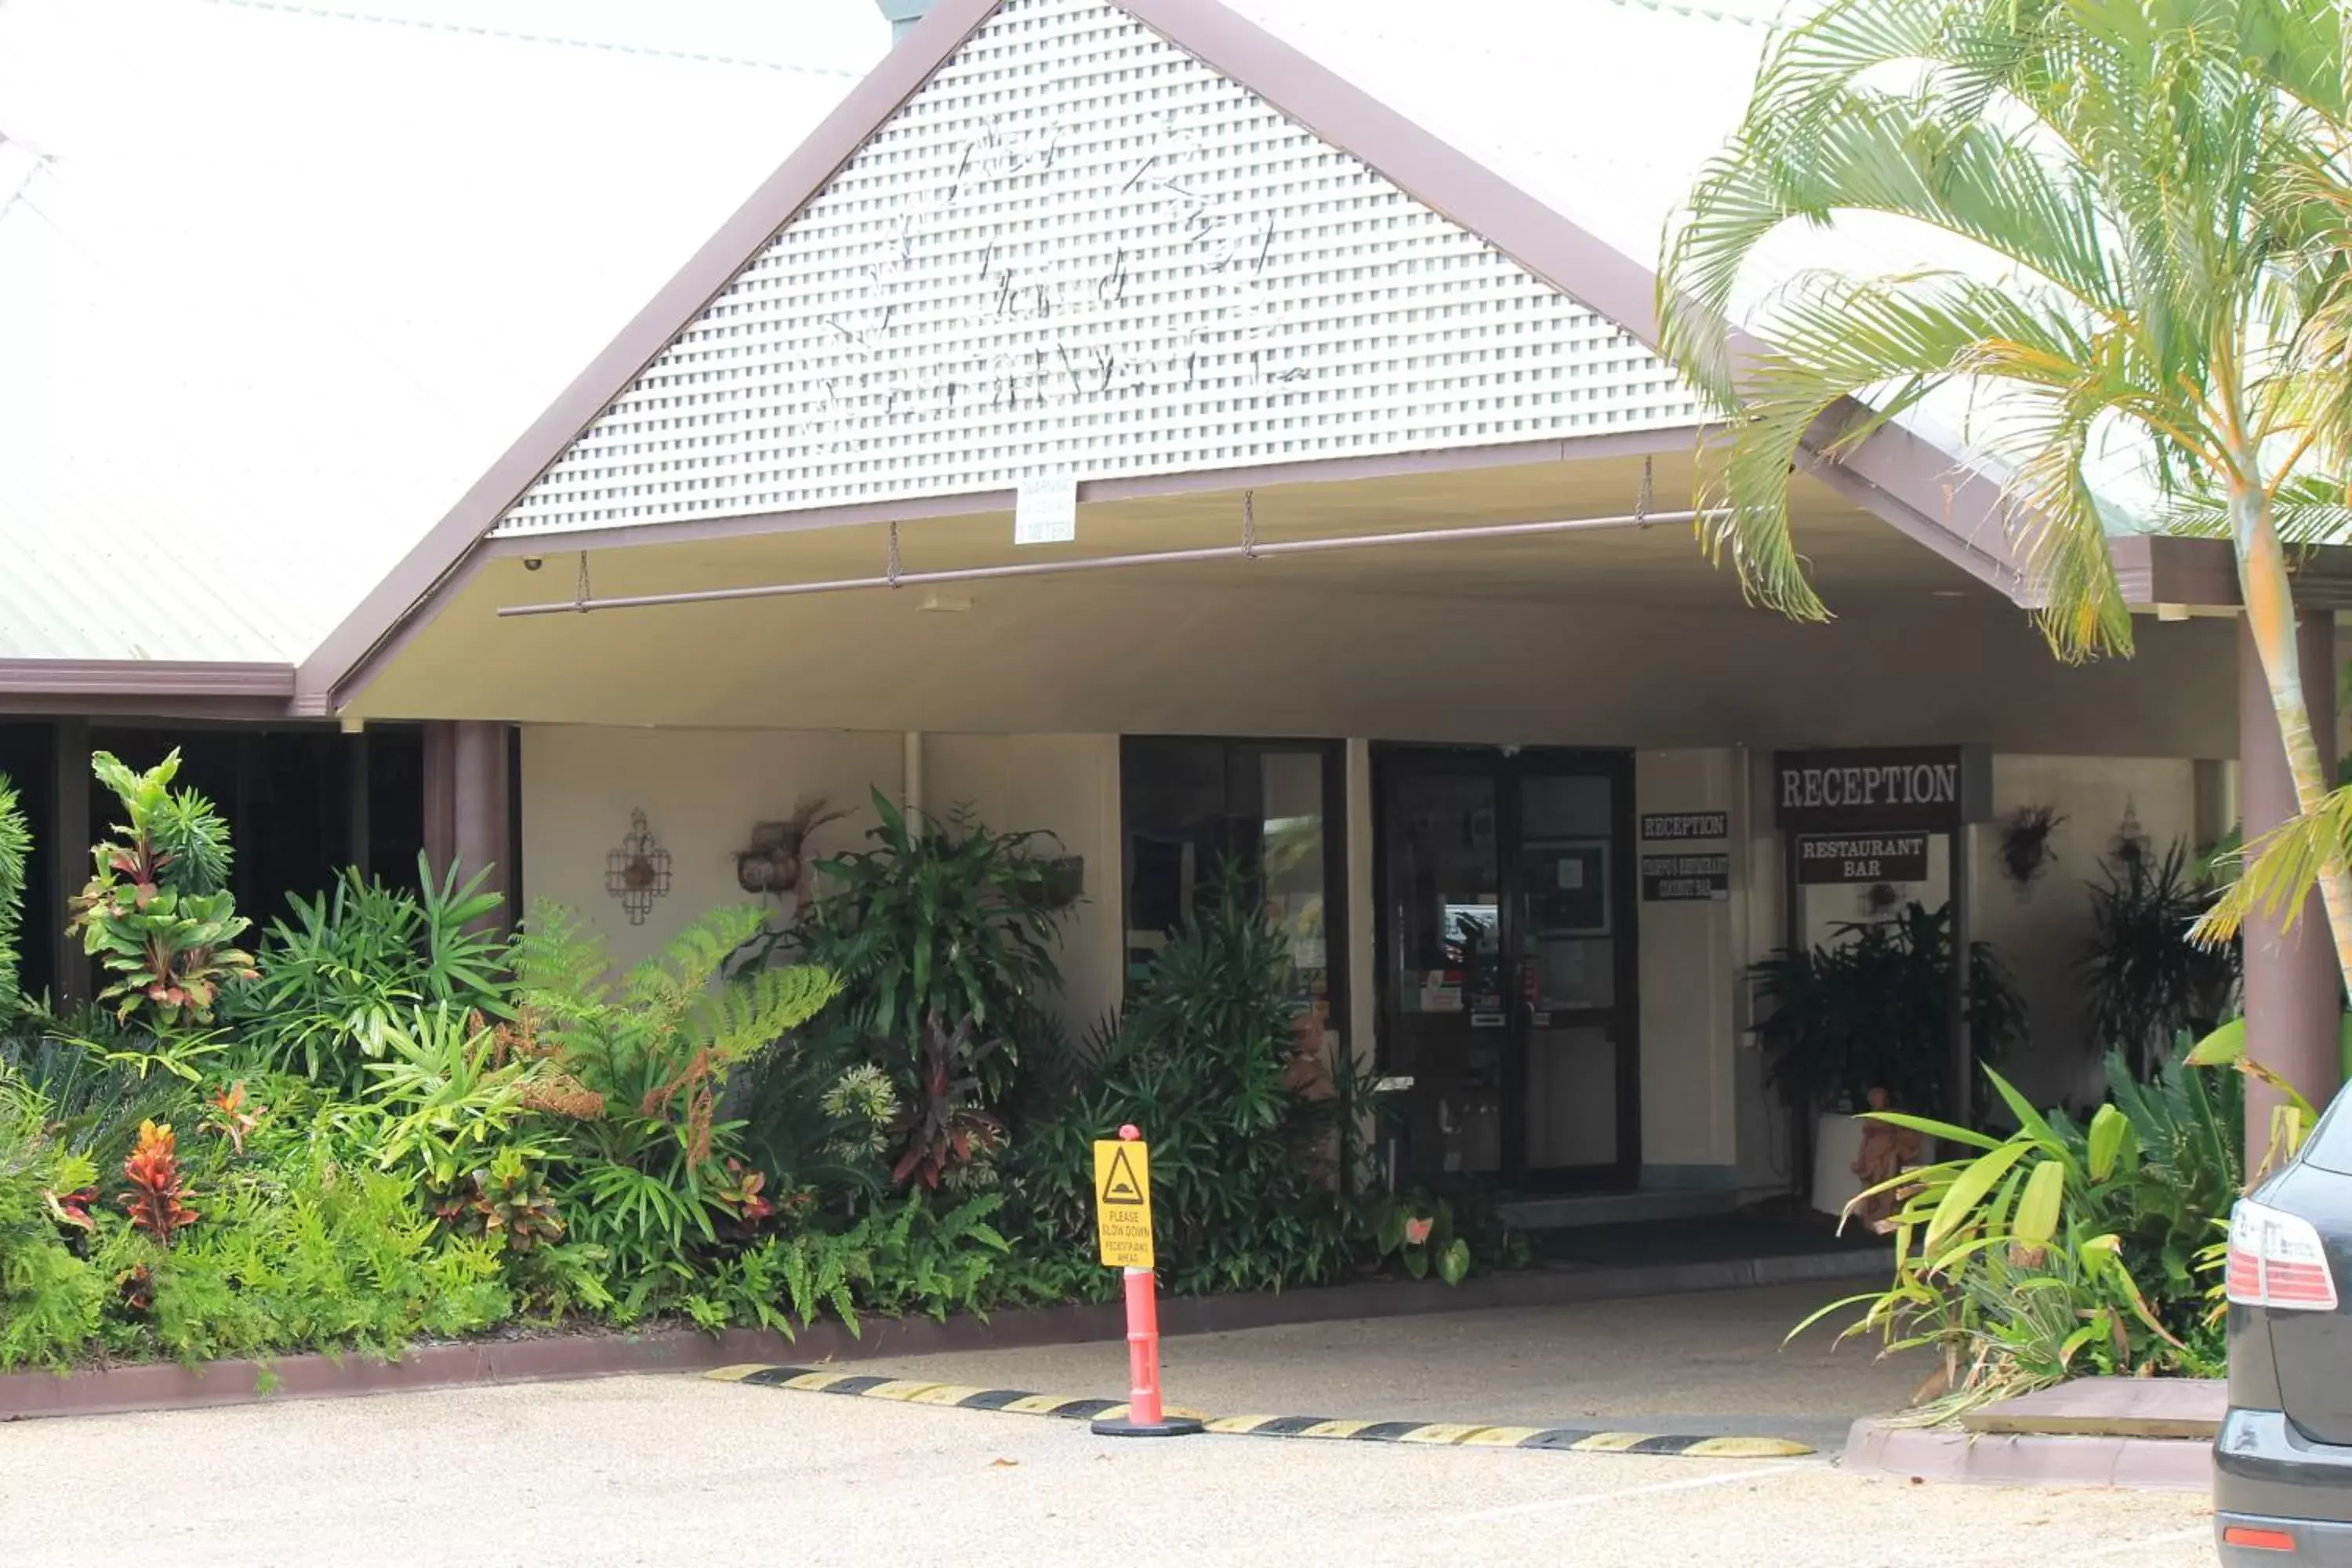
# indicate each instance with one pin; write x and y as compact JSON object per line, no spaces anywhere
{"x":2282,"y":867}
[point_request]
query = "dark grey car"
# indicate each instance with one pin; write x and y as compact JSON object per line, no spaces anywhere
{"x":2283,"y":1465}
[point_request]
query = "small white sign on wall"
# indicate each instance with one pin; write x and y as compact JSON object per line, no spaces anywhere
{"x":1046,"y":510}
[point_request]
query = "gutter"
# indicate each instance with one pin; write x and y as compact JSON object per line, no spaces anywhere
{"x":145,"y":678}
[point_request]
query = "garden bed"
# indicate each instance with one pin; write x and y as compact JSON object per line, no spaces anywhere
{"x":521,"y":1357}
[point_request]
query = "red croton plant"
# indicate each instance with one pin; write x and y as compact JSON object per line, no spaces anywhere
{"x":156,"y":1200}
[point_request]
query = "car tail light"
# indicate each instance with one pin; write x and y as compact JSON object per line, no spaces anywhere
{"x":2276,"y":1260}
{"x":2258,"y":1540}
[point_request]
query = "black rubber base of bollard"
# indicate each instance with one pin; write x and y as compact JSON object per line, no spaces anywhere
{"x":1167,"y":1427}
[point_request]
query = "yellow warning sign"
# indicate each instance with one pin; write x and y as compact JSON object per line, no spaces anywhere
{"x":1123,"y":1203}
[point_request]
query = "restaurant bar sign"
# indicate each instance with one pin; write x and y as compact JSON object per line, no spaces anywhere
{"x":1686,"y":879}
{"x":1896,"y":789}
{"x":1867,"y":858}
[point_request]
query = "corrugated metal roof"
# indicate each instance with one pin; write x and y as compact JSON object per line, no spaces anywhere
{"x":278,"y":281}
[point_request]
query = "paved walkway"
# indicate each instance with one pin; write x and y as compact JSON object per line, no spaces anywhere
{"x":1710,"y":1363}
{"x":640,"y":1472}
{"x":677,"y":1470}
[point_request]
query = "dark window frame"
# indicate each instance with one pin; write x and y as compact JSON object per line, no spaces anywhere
{"x":1336,"y":929}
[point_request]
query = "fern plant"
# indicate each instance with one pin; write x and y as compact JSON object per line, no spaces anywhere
{"x":654,"y":1049}
{"x":15,"y":854}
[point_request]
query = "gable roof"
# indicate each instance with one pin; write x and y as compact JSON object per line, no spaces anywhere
{"x":1510,"y":199}
{"x":278,"y":281}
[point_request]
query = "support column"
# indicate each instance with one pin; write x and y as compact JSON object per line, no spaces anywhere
{"x":466,"y":807}
{"x":2293,"y":992}
{"x":68,"y":848}
{"x":480,"y":804}
{"x":1962,"y":1063}
{"x":911,"y":794}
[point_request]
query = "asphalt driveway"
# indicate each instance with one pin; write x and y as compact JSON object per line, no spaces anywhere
{"x":666,"y":1470}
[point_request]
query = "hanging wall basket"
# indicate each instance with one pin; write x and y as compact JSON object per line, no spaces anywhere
{"x":2025,"y":852}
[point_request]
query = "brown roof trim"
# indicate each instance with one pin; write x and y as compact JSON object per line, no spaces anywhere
{"x":143,"y":710}
{"x":1923,"y":492}
{"x":1597,"y":447}
{"x":320,"y":680}
{"x":2202,"y":573}
{"x":142,"y":678}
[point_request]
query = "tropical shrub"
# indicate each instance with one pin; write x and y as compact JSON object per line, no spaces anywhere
{"x":157,"y":914}
{"x":2066,"y":1249}
{"x":1870,"y":1010}
{"x":1245,"y":1186}
{"x":264,"y":1230}
{"x":942,"y":919}
{"x":15,"y":854}
{"x":349,"y":964}
{"x":813,"y":1116}
{"x":50,"y":1299}
{"x":1418,"y":1229}
{"x":635,"y":1071}
{"x":896,"y":1261}
{"x":2145,"y":980}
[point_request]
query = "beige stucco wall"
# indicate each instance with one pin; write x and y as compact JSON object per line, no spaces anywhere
{"x":1067,"y":785}
{"x":1704,"y":1109}
{"x":702,"y":790}
{"x":2039,"y":932}
{"x":1689,"y":977}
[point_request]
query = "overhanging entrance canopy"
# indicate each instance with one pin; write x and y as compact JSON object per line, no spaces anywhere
{"x":1146,"y":246}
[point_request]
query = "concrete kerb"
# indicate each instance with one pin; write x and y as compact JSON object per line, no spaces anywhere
{"x":532,"y":1359}
{"x":1446,"y":1434}
{"x":1949,"y":1454}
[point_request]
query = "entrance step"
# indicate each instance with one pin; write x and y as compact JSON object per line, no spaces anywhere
{"x":1574,"y":1211}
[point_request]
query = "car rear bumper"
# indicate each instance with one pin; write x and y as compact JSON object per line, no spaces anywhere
{"x":2321,"y":1545}
{"x":2269,"y":1477}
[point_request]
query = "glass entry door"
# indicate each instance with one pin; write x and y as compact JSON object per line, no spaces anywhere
{"x":1507,"y":956}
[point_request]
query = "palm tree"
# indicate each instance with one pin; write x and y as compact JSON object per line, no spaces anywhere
{"x":2125,"y":205}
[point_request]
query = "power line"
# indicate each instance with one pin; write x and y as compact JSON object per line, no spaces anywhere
{"x":290,"y":7}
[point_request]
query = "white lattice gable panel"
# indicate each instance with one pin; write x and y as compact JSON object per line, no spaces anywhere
{"x":1079,"y":250}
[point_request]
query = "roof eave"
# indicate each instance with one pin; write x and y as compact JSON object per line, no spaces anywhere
{"x":323,"y":676}
{"x":138,"y":678}
{"x":1923,"y":491}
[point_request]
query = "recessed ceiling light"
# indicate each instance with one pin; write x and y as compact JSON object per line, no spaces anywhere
{"x":947,"y":604}
{"x":1946,"y":593}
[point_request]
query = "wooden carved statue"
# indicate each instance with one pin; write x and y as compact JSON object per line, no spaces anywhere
{"x":1886,"y":1152}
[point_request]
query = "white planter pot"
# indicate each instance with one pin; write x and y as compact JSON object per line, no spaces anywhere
{"x":1837,"y":1143}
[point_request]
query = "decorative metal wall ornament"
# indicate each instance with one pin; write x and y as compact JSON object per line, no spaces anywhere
{"x":2132,"y":844}
{"x":636,"y":871}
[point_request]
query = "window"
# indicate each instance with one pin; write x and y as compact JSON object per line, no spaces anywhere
{"x":1268,"y":809}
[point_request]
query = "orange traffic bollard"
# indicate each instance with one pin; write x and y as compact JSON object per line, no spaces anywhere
{"x":1123,"y":1220}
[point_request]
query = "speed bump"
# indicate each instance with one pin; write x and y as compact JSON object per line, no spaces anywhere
{"x":1447,"y":1433}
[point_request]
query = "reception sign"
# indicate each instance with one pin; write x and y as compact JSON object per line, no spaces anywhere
{"x":1918,"y":789}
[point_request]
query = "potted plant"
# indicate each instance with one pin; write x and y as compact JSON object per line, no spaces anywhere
{"x":1867,"y":1011}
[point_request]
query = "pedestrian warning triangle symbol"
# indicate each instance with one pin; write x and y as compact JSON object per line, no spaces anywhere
{"x":1120,"y":1186}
